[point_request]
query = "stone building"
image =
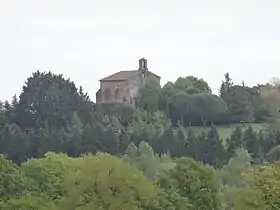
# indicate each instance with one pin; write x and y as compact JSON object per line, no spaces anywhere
{"x":124,"y":86}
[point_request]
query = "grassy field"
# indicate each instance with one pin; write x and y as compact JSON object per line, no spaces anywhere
{"x":226,"y":131}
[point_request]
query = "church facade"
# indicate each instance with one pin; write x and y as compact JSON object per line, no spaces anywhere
{"x":124,"y":86}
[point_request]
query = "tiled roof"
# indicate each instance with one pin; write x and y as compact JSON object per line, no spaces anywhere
{"x":121,"y":75}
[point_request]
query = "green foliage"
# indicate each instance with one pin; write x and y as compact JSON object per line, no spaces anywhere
{"x":149,"y":96}
{"x":196,"y":109}
{"x":270,"y":98}
{"x":146,"y":160}
{"x":206,"y":147}
{"x":12,"y":181}
{"x":274,"y":154}
{"x":123,"y":112}
{"x":193,"y":181}
{"x":244,"y":103}
{"x":172,"y":200}
{"x":191,"y":85}
{"x":213,"y":150}
{"x":28,"y":203}
{"x":264,"y":183}
{"x":231,"y":174}
{"x":250,"y":199}
{"x":147,"y":127}
{"x":49,"y":100}
{"x":51,"y":114}
{"x":235,"y":141}
{"x":253,"y":143}
{"x":208,"y":108}
{"x":46,"y":175}
{"x":100,"y":183}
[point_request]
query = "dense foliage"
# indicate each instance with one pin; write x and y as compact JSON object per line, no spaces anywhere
{"x":62,"y":151}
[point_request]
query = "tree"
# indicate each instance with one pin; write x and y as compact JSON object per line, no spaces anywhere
{"x":149,"y":96}
{"x":263,"y":188}
{"x":194,"y":182}
{"x":249,"y":198}
{"x":172,"y":200}
{"x":165,"y":143}
{"x":270,"y":96}
{"x":235,"y":141}
{"x":274,"y":154}
{"x":12,"y":181}
{"x":196,"y":109}
{"x":230,"y":176}
{"x":213,"y":152}
{"x":46,"y":175}
{"x":244,"y":103}
{"x":193,"y":145}
{"x":123,"y":112}
{"x":16,"y":145}
{"x":181,"y":87}
{"x":106,"y":186}
{"x":208,"y":108}
{"x":240,"y":104}
{"x":179,"y":107}
{"x":145,"y":159}
{"x":225,"y":87}
{"x":27,"y":203}
{"x":252,"y":143}
{"x":231,"y":173}
{"x":167,"y":91}
{"x":49,"y":99}
{"x":147,"y":127}
{"x":191,"y":85}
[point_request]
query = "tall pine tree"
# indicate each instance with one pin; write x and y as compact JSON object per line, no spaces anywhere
{"x":235,"y":142}
{"x":214,"y":153}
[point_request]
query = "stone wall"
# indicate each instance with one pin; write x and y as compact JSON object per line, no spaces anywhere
{"x":112,"y":91}
{"x":123,"y":91}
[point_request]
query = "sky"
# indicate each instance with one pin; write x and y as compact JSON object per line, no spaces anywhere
{"x":87,"y":40}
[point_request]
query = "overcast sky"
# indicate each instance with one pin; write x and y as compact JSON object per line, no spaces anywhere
{"x":89,"y":39}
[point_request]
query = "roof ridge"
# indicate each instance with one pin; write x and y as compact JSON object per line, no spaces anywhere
{"x":123,"y":75}
{"x":120,"y":75}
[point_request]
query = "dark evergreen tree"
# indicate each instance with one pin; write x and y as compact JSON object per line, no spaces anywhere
{"x":270,"y":140}
{"x":214,"y":153}
{"x":235,"y":142}
{"x":192,"y":147}
{"x":165,"y":143}
{"x":200,"y":146}
{"x":252,"y":143}
{"x":181,"y":143}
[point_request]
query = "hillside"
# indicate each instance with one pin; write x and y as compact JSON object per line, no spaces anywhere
{"x":144,"y":150}
{"x":226,"y":131}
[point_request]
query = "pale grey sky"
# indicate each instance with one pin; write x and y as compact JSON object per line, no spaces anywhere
{"x":89,"y":39}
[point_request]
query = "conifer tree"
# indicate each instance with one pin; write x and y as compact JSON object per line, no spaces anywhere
{"x":252,"y":142}
{"x":214,"y":153}
{"x":235,"y":141}
{"x":192,"y":145}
